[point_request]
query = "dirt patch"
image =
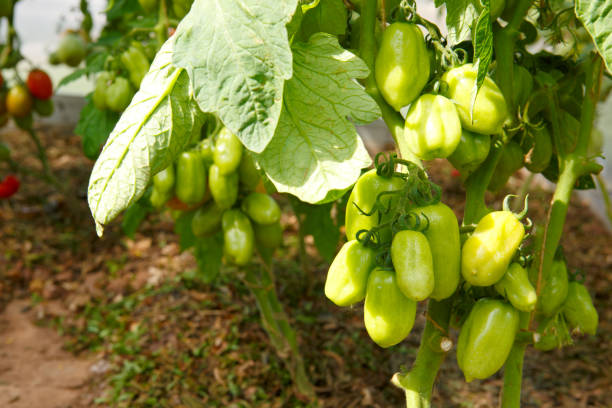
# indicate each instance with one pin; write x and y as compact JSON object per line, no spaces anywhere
{"x":35,"y":371}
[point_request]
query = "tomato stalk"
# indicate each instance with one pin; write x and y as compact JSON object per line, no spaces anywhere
{"x":418,"y":382}
{"x":276,"y":323}
{"x":367,"y":52}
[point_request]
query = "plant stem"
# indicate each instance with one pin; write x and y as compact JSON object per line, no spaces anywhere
{"x":513,"y":369}
{"x":476,"y":186}
{"x":275,"y":322}
{"x":418,"y":383}
{"x":367,"y":52}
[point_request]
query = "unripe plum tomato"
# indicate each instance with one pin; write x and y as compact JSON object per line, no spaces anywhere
{"x":19,"y":101}
{"x":40,"y":84}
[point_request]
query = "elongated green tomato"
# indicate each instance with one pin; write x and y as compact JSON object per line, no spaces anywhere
{"x":413,"y":264}
{"x":206,"y":220}
{"x":510,"y":161}
{"x":71,"y":49}
{"x":165,"y":179}
{"x":347,"y":277}
{"x":159,"y":198}
{"x":227,"y":152}
{"x":486,"y":254}
{"x":190,"y":178}
{"x":388,"y":314}
{"x":238,"y":238}
{"x":261,"y":208}
{"x":444,"y":242}
{"x":205,"y":148}
{"x":486,"y":338}
{"x":136,"y":62}
{"x":523,"y":85}
{"x":472,"y":150}
{"x":249,"y":175}
{"x":579,"y":311}
{"x":268,"y":236}
{"x":223,"y":188}
{"x":99,"y":94}
{"x":432,"y":127}
{"x":364,"y":195}
{"x":489,"y":112}
{"x":554,"y":289}
{"x":540,"y":150}
{"x":515,"y":287}
{"x":402,"y":64}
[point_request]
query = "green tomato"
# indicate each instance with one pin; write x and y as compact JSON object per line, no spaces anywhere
{"x":164,"y":180}
{"x":136,"y":62}
{"x":44,"y":107}
{"x":413,"y":264}
{"x":472,"y":150}
{"x":148,"y":6}
{"x":388,"y":314}
{"x":205,"y":148}
{"x":363,"y":197}
{"x":249,"y":175}
{"x":206,"y":220}
{"x":190,"y":178}
{"x":71,"y":50}
{"x":432,"y":127}
{"x":486,"y":338}
{"x":119,"y":94}
{"x":347,"y":277}
{"x":515,"y":287}
{"x":486,"y":254}
{"x":539,"y":150}
{"x":509,"y":162}
{"x":238,"y":238}
{"x":227,"y":152}
{"x":442,"y":234}
{"x":99,"y":93}
{"x":402,"y":64}
{"x":223,"y":188}
{"x":268,"y":236}
{"x":261,"y":208}
{"x":579,"y":311}
{"x":158,"y":198}
{"x":522,"y":86}
{"x":554,"y":289}
{"x":489,"y":110}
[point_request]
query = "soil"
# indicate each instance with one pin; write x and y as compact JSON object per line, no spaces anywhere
{"x":83,"y":317}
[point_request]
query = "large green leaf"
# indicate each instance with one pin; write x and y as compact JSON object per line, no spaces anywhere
{"x":596,"y":15}
{"x":460,"y":16}
{"x":329,"y":16}
{"x":238,"y":57}
{"x":152,"y":131}
{"x":316,"y":152}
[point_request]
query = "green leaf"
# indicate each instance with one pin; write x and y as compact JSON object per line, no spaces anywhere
{"x":316,"y":149}
{"x":329,"y":16}
{"x":483,"y":47}
{"x":94,"y":127}
{"x":238,"y":57}
{"x":209,"y":254}
{"x":95,"y":63}
{"x":596,"y":15}
{"x":156,"y":126}
{"x":320,"y":225}
{"x":460,"y":15}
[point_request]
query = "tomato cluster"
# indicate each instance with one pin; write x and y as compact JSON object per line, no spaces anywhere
{"x":19,"y":100}
{"x":218,"y":181}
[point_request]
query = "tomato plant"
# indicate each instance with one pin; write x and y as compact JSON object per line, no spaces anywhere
{"x":277,"y":109}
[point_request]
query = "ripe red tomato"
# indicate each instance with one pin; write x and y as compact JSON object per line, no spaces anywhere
{"x":9,"y":186}
{"x":39,"y":84}
{"x":19,"y":101}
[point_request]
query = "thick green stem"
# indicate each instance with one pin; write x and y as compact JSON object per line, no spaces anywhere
{"x":513,"y":369}
{"x":418,"y":383}
{"x":476,"y":186}
{"x":276,"y":324}
{"x":367,"y":52}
